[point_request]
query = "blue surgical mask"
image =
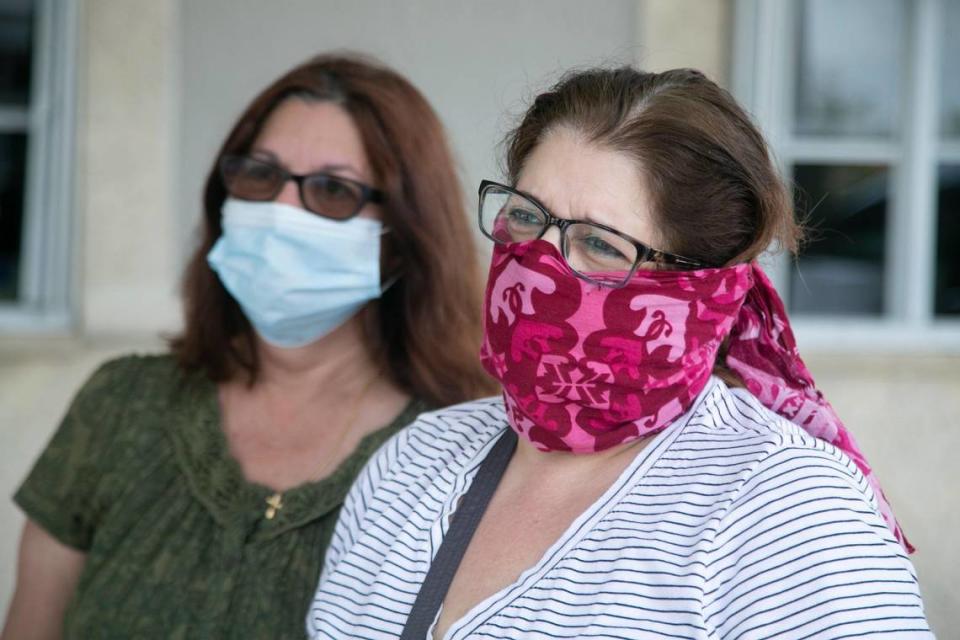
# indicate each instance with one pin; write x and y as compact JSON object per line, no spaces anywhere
{"x":297,"y":276}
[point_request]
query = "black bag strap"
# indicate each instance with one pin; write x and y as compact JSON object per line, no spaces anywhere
{"x":465,"y":520}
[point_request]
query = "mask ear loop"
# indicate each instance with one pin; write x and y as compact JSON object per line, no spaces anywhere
{"x":396,"y":276}
{"x":393,"y":279}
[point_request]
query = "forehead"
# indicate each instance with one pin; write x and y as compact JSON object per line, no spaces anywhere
{"x":312,"y":135}
{"x":581,"y":180}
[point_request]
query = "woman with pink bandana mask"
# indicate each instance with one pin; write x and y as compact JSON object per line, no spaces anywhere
{"x":660,"y":463}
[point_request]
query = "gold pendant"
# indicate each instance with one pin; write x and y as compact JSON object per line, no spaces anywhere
{"x":274,"y":504}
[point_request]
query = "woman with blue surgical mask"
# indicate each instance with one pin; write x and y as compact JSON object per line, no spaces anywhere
{"x":332,"y":298}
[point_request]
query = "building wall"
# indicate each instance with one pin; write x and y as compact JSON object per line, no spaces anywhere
{"x":161,"y":81}
{"x":686,"y":33}
{"x":477,"y":62}
{"x":127,"y":148}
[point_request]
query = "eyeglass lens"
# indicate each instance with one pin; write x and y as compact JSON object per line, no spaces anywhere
{"x":590,"y":250}
{"x":324,"y":194}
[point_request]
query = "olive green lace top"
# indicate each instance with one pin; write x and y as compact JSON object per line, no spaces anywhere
{"x":139,"y":477}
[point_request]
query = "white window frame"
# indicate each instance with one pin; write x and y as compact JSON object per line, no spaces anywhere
{"x":764,"y":80}
{"x":45,"y":300}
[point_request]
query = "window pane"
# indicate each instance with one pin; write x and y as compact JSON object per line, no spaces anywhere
{"x":949,"y":74}
{"x":849,"y":76}
{"x":841,"y":269}
{"x":947,"y":295}
{"x":13,"y":152}
{"x":16,"y":34}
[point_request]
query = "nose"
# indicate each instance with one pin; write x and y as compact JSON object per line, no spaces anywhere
{"x":290,"y":194}
{"x":552,"y":235}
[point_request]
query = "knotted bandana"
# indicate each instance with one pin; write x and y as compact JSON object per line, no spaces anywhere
{"x":585,"y":368}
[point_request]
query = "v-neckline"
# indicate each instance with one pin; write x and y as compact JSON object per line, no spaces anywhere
{"x":216,"y":477}
{"x":572,"y":535}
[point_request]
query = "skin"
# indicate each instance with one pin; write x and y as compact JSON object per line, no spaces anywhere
{"x":47,"y":574}
{"x":310,"y":408}
{"x":541,"y":494}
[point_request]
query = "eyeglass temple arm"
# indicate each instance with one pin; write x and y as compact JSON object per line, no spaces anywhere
{"x":669,"y":258}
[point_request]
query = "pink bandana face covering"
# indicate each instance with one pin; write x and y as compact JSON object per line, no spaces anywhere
{"x":585,"y":368}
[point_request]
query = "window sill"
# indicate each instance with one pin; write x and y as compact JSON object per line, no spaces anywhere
{"x":876,"y":336}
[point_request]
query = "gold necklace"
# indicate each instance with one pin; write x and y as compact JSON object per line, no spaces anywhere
{"x":275,"y":500}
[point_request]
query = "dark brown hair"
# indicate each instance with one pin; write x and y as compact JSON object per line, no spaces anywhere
{"x":717,"y":196}
{"x":425,"y":328}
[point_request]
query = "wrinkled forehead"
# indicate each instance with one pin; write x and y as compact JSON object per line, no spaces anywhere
{"x":580,"y":180}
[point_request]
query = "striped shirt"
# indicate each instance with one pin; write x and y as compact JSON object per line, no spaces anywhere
{"x":731,"y":523}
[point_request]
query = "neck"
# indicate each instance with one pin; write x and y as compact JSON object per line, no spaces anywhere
{"x":339,"y":360}
{"x":530,"y":462}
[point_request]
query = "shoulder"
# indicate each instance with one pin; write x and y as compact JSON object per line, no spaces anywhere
{"x":790,"y":497}
{"x":461,"y":427}
{"x":435,"y":443}
{"x":141,"y":382}
{"x":159,"y":367}
{"x":99,"y":437}
{"x":733,"y":442}
{"x":410,"y":477}
{"x":794,"y":481}
{"x":799,"y":545}
{"x":731,"y":427}
{"x":129,"y":397}
{"x":793,"y":537}
{"x":121,"y":375}
{"x":119,"y":381}
{"x":449,"y":430}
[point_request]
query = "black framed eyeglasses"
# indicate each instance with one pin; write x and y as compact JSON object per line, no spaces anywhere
{"x":324,"y":194}
{"x":595,"y":252}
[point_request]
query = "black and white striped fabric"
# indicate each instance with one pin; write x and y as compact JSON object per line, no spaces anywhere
{"x":732,"y":523}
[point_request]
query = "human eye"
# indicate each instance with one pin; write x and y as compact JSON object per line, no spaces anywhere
{"x":254,"y":169}
{"x":522,"y":217}
{"x":250,"y":179}
{"x":592,"y":249}
{"x":334,"y":188}
{"x":329,"y":188}
{"x":596,"y":245}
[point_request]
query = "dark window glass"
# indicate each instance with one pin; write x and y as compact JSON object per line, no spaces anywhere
{"x":13,"y":155}
{"x":947,"y":291}
{"x":16,"y":35}
{"x":840,"y":271}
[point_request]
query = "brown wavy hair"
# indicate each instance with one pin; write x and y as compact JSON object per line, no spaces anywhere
{"x":717,"y":196}
{"x":425,"y":329}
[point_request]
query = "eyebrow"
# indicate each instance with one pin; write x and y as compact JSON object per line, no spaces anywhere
{"x":587,"y":217}
{"x":327,"y":168}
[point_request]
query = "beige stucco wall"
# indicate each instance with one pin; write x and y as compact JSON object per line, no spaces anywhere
{"x":685,"y":33}
{"x":126,"y":138}
{"x":476,"y":61}
{"x":160,"y":83}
